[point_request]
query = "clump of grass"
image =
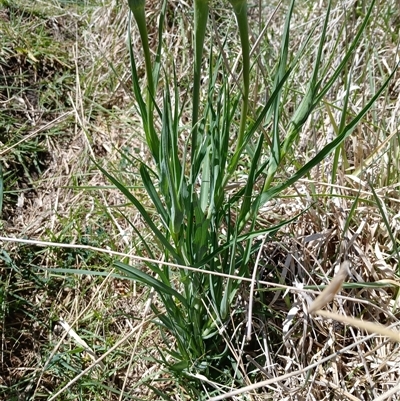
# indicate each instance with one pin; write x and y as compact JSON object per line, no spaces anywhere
{"x":200,"y":223}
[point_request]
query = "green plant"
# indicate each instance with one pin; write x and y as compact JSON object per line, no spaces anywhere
{"x":200,"y":221}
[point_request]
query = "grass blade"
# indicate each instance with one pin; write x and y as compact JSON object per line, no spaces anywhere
{"x":142,"y":277}
{"x":144,"y":214}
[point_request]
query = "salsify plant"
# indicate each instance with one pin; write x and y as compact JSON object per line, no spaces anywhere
{"x":200,"y":223}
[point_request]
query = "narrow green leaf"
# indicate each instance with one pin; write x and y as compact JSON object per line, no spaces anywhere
{"x":240,"y":8}
{"x":144,"y":214}
{"x":244,"y":237}
{"x":275,"y":157}
{"x":158,"y":392}
{"x":247,"y":196}
{"x":157,"y":61}
{"x":351,"y":213}
{"x":386,"y":222}
{"x":200,"y":237}
{"x":307,"y":104}
{"x":135,"y":80}
{"x":151,"y":190}
{"x":138,"y":9}
{"x":169,"y":161}
{"x":333,"y":79}
{"x":201,"y":8}
{"x":145,"y":278}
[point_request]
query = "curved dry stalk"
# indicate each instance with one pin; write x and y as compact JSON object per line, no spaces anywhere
{"x":370,"y":327}
{"x":331,"y":290}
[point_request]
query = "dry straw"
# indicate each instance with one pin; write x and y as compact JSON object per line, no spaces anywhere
{"x":328,"y":295}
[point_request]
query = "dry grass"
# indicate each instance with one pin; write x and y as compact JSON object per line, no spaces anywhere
{"x":300,"y":357}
